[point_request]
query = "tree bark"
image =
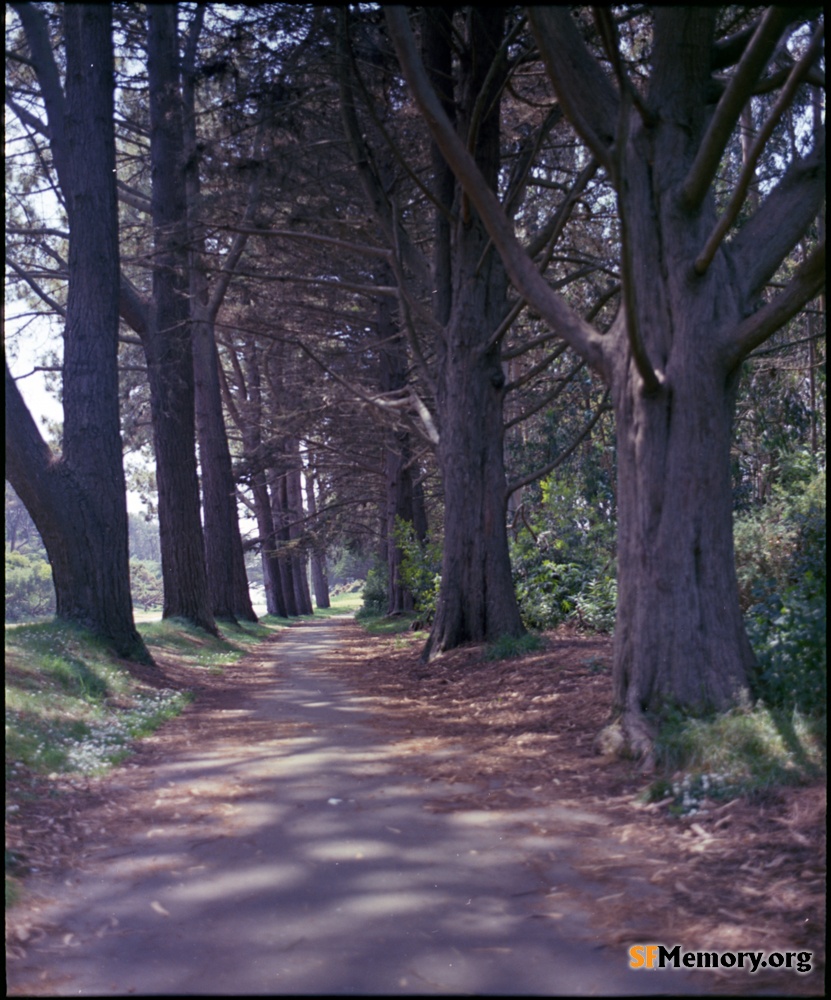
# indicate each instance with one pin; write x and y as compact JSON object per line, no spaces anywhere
{"x":477,"y":600}
{"x":320,"y":579}
{"x":167,"y":339}
{"x":224,"y":557}
{"x":78,"y":502}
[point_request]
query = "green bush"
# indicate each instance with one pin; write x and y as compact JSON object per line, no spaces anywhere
{"x":29,"y":589}
{"x":420,"y":568}
{"x":374,"y":594}
{"x":781,"y":564}
{"x":564,"y":560}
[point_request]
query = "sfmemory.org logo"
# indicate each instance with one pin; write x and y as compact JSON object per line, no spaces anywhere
{"x":659,"y":956}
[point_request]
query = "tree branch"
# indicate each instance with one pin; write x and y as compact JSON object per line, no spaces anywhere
{"x":807,"y":282}
{"x":532,"y":477}
{"x":729,"y":107}
{"x":40,"y":49}
{"x":549,"y":397}
{"x":36,"y":288}
{"x":768,"y":237}
{"x":797,"y":74}
{"x":521,"y":269}
{"x":583,"y":91}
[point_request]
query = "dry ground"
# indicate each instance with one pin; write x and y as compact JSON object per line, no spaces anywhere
{"x":744,"y":875}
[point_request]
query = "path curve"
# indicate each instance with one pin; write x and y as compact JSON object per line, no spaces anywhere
{"x":317,"y":860}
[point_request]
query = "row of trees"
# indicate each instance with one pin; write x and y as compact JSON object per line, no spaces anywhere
{"x":411,"y":260}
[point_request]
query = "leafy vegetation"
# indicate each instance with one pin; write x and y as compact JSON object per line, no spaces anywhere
{"x":781,"y":562}
{"x":780,"y":737}
{"x":506,"y":647}
{"x":564,"y":552}
{"x":420,"y":568}
{"x":29,"y":590}
{"x":744,"y":751}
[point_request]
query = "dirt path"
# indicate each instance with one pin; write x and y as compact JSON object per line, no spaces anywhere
{"x":277,"y":840}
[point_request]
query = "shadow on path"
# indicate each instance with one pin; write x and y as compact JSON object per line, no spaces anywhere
{"x":310,"y":858}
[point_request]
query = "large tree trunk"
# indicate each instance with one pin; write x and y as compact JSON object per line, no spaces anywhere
{"x":167,"y":340}
{"x":679,"y":637}
{"x":477,"y":600}
{"x":78,"y":502}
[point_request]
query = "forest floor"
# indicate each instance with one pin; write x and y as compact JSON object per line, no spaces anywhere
{"x":514,"y":735}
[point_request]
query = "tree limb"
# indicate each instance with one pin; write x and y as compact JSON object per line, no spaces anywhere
{"x":729,"y":108}
{"x":730,"y":214}
{"x":583,"y":91}
{"x":532,"y":477}
{"x":521,"y":269}
{"x":36,"y":288}
{"x":807,"y":282}
{"x":549,"y":397}
{"x":766,"y":239}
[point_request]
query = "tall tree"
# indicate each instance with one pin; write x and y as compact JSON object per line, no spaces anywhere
{"x":225,"y":562}
{"x":166,"y":335}
{"x":78,"y":500}
{"x":694,"y":305}
{"x":476,"y":599}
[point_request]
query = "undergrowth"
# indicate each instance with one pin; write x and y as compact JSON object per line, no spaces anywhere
{"x":746,"y":751}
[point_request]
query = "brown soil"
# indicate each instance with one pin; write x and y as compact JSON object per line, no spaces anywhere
{"x":744,"y":875}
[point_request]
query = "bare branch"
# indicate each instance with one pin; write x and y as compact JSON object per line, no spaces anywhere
{"x":584,"y":92}
{"x":521,"y":269}
{"x":32,"y":282}
{"x":135,"y":199}
{"x":332,"y":241}
{"x":797,"y":74}
{"x":549,"y":397}
{"x":807,"y":283}
{"x":729,"y":107}
{"x":532,"y":477}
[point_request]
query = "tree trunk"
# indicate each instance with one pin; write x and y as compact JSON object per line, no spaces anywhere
{"x":78,"y":502}
{"x":285,"y":564}
{"x":477,"y":600}
{"x":678,"y":597}
{"x":167,"y":340}
{"x":296,"y":513}
{"x":320,"y":580}
{"x":225,"y":561}
{"x":397,"y":471}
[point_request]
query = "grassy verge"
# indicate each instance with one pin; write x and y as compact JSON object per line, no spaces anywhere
{"x":72,"y":709}
{"x":390,"y":625}
{"x":742,"y":752}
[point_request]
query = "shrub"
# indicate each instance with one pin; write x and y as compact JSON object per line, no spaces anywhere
{"x":420,"y":568}
{"x":781,"y":563}
{"x":29,"y":589}
{"x":374,"y":594}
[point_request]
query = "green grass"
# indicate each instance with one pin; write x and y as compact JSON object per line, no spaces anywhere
{"x":72,"y":708}
{"x":390,"y":624}
{"x":746,"y":751}
{"x":506,"y":647}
